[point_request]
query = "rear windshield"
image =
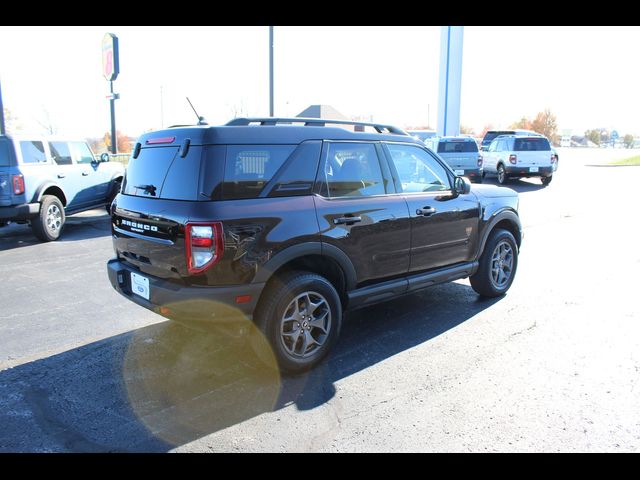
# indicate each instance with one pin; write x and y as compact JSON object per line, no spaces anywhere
{"x":457,"y":147}
{"x":159,"y":172}
{"x":4,"y":154}
{"x":493,"y":134}
{"x":531,"y":144}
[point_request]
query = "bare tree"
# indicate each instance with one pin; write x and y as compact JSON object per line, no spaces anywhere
{"x":46,"y":122}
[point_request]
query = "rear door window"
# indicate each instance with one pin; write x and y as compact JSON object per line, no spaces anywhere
{"x":60,"y":153}
{"x":248,"y":168}
{"x":352,"y":169}
{"x":32,"y":152}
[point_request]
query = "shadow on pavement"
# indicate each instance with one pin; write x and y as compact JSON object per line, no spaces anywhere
{"x":518,"y":184}
{"x":84,"y":226}
{"x":164,"y":385}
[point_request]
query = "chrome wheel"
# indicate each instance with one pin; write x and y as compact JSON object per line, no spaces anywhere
{"x":502,"y":176}
{"x":54,"y":218}
{"x":501,"y":264}
{"x":305,"y":325}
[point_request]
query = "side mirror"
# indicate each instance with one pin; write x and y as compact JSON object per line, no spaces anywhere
{"x":462,"y":185}
{"x":104,"y":157}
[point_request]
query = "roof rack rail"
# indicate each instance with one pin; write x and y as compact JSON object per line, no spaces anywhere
{"x":314,"y":122}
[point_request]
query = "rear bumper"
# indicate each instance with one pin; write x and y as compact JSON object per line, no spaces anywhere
{"x":188,"y":304}
{"x":24,"y":211}
{"x":471,"y":173}
{"x":524,"y":172}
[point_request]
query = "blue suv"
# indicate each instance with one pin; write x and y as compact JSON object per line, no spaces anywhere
{"x":43,"y":179}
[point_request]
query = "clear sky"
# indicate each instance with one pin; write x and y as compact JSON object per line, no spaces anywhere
{"x":588,"y":76}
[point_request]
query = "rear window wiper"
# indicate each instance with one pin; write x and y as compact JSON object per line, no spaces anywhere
{"x":150,"y":189}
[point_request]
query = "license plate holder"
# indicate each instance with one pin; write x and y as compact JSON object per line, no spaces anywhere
{"x":459,"y":172}
{"x":140,"y":285}
{"x":533,"y":169}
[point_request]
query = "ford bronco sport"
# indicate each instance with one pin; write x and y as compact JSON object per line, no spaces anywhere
{"x":290,"y":225}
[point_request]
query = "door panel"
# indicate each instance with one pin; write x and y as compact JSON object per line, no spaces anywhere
{"x":443,"y":225}
{"x":358,"y":211}
{"x":84,"y":163}
{"x":378,"y":244}
{"x":65,"y":173}
{"x":445,"y":237}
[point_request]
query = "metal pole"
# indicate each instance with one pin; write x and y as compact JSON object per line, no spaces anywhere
{"x":114,"y":140}
{"x":2,"y":130}
{"x":271,"y":71}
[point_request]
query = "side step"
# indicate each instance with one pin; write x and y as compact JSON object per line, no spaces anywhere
{"x":394,"y":288}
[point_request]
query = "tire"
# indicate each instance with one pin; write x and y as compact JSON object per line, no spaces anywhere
{"x":48,"y":225}
{"x":502,"y":175}
{"x":490,"y":283}
{"x":546,"y":180}
{"x":115,"y":189}
{"x":280,"y":321}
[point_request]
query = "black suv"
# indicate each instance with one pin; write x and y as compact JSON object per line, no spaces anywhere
{"x":290,"y":225}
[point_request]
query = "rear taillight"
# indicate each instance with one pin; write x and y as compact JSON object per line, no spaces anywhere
{"x":479,"y":161}
{"x":513,"y":159}
{"x":18,"y":184}
{"x":553,"y":158}
{"x":204,"y":245}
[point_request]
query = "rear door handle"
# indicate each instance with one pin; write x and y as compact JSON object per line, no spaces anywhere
{"x":347,"y":220}
{"x":84,"y":174}
{"x":426,"y":211}
{"x":61,"y":175}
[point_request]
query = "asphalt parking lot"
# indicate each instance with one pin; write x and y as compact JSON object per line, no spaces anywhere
{"x":552,"y":366}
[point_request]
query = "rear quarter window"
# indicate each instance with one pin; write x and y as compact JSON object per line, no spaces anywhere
{"x":32,"y":152}
{"x":248,"y":168}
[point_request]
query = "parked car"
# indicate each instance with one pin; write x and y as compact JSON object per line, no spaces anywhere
{"x":491,"y":134}
{"x":44,"y":179}
{"x":289,"y":226}
{"x":422,"y":134}
{"x":460,"y":153}
{"x":511,"y":156}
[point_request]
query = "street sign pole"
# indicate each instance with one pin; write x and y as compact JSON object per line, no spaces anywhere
{"x":110,"y":70}
{"x":114,"y":138}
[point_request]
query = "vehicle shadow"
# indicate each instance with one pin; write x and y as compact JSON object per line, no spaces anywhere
{"x":164,"y":385}
{"x":520,"y":185}
{"x":85,"y":226}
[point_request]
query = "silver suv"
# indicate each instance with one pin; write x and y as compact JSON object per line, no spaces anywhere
{"x":43,"y":179}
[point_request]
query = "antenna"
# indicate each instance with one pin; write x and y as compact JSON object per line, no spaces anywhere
{"x":201,"y":120}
